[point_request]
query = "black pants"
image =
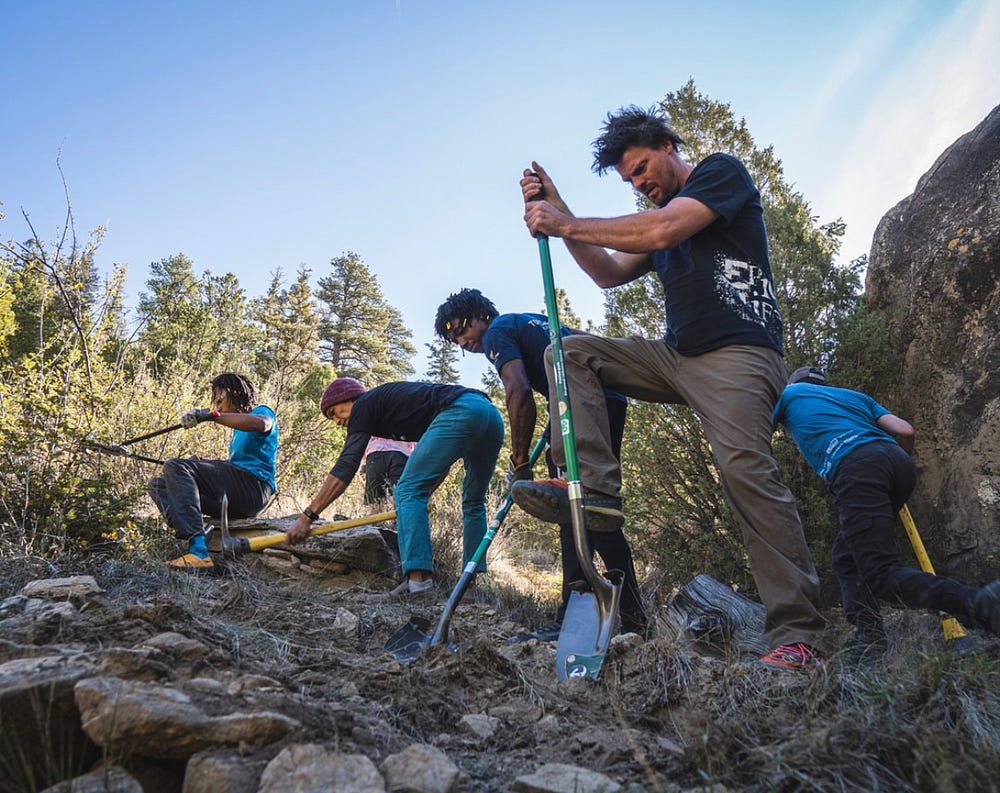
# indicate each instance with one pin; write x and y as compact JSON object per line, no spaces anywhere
{"x":869,"y":488}
{"x":382,"y":472}
{"x":190,"y":488}
{"x":612,"y":547}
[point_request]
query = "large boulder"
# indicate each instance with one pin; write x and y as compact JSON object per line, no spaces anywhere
{"x":934,"y":272}
{"x":151,"y":720}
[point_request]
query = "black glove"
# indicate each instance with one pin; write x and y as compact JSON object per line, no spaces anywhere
{"x":196,"y":416}
{"x":518,"y":473}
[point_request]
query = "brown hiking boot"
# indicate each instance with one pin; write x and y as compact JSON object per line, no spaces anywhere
{"x":548,"y":500}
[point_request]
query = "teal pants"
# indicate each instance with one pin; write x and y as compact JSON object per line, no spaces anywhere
{"x":470,"y":429}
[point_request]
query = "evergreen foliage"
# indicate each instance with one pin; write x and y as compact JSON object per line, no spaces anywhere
{"x":361,"y":335}
{"x":442,"y":360}
{"x":207,"y":321}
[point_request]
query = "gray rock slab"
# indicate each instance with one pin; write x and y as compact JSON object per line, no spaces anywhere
{"x":562,"y":778}
{"x":150,"y":720}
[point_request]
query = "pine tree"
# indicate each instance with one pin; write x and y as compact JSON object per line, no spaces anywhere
{"x":202,"y":325}
{"x":290,"y":321}
{"x":442,"y":360}
{"x":361,"y":334}
{"x":292,"y":378}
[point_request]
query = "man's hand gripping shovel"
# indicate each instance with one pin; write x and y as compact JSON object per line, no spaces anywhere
{"x":408,"y":643}
{"x":593,"y":605}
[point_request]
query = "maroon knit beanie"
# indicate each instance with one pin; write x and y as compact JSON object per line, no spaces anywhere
{"x":343,"y":389}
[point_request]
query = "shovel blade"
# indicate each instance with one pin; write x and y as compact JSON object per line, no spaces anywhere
{"x":408,"y":643}
{"x":587,"y":628}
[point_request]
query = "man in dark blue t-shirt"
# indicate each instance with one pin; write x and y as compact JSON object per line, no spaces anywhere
{"x":720,"y":355}
{"x":515,"y":344}
{"x":862,"y":450}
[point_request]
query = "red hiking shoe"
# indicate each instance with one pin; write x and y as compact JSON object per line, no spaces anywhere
{"x":797,"y":657}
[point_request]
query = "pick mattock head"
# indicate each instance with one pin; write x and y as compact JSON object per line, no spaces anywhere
{"x":232,"y":547}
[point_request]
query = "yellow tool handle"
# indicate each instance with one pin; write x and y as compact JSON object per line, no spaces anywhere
{"x":257,"y":543}
{"x":951,"y":627}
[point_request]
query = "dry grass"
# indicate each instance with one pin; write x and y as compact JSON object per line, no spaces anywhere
{"x":924,"y":718}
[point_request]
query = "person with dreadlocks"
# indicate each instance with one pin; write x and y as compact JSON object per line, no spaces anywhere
{"x":720,"y":355}
{"x":515,"y":344}
{"x":191,"y":488}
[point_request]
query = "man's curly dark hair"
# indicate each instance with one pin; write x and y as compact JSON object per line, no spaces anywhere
{"x":631,"y":126}
{"x":466,"y":304}
{"x":241,"y":391}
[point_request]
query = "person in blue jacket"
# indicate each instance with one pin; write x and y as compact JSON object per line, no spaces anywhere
{"x":515,"y":344}
{"x":862,"y":450}
{"x":191,"y":487}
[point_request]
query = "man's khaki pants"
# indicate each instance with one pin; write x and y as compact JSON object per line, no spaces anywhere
{"x":733,"y":391}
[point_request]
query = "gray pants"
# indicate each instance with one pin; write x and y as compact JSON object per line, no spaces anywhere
{"x":733,"y":391}
{"x":191,"y":487}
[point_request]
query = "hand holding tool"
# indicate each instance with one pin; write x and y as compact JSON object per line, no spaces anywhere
{"x":193,"y":418}
{"x":590,"y":615}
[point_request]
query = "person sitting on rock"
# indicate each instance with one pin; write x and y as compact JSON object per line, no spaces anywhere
{"x":191,"y":488}
{"x":451,"y":423}
{"x":862,"y":450}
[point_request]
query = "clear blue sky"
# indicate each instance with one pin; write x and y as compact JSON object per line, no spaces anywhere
{"x":253,"y":136}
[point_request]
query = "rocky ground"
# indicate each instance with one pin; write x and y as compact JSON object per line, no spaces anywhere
{"x":270,"y":675}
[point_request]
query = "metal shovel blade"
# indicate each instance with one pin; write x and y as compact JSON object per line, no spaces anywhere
{"x":408,"y":643}
{"x":587,"y":628}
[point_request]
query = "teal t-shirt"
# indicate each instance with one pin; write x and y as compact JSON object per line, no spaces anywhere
{"x":255,"y":451}
{"x":829,"y":423}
